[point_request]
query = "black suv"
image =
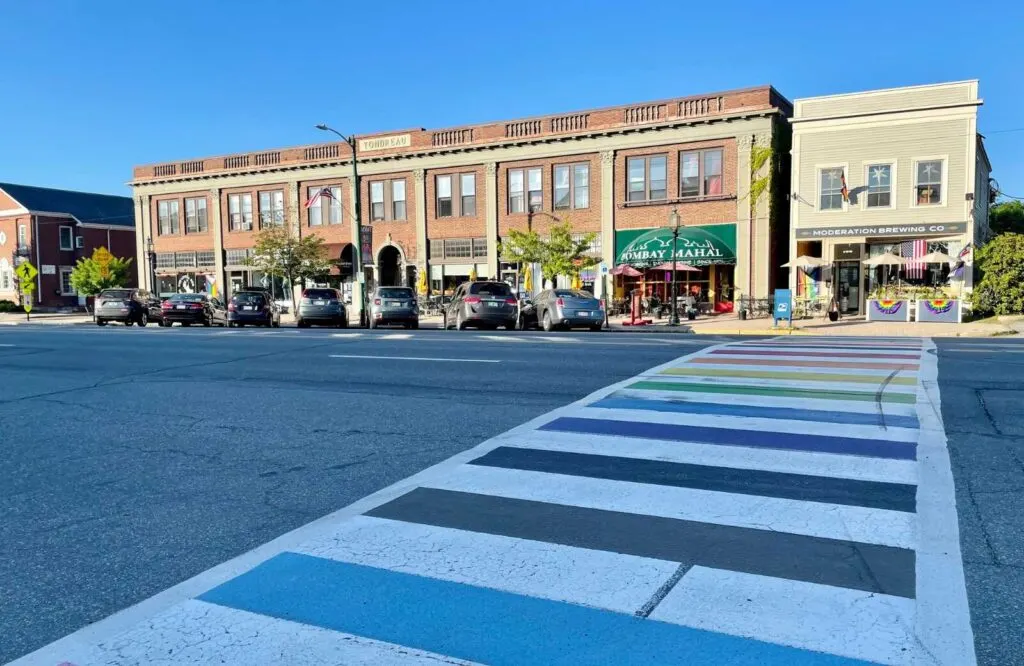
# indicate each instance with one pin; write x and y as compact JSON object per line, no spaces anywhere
{"x":128,"y":306}
{"x":253,"y":306}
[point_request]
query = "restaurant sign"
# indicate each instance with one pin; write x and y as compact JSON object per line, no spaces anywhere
{"x":697,"y":245}
{"x":884,"y":230}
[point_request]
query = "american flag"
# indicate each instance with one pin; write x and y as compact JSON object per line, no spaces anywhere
{"x":324,"y":192}
{"x":912,"y":251}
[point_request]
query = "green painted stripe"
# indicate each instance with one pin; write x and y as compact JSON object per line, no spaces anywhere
{"x":776,"y":374}
{"x":775,"y":391}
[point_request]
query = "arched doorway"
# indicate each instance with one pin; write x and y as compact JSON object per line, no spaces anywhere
{"x":389,"y":266}
{"x":346,"y":262}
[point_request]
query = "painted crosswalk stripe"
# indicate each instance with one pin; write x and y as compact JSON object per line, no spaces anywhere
{"x":790,"y":363}
{"x":621,"y":400}
{"x":867,"y":625}
{"x":492,"y":626}
{"x":730,"y":437}
{"x":759,"y":483}
{"x":820,"y":394}
{"x":767,"y":552}
{"x":596,"y":578}
{"x":797,"y":353}
{"x":782,"y":374}
{"x":827,"y":521}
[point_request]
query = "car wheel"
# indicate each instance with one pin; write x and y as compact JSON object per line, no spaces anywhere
{"x":128,"y":322}
{"x":596,"y":328}
{"x":276,"y":323}
{"x":231,"y":324}
{"x":415,"y":324}
{"x":512,"y":325}
{"x":101,"y":322}
{"x":546,"y":322}
{"x":344,"y":321}
{"x":207,"y":323}
{"x":460,"y":322}
{"x":143,"y":319}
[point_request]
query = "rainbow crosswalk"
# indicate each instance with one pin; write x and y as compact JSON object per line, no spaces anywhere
{"x":783,"y":501}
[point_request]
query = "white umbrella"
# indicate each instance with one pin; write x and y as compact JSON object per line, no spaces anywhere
{"x":937,"y":258}
{"x":887,"y":259}
{"x":804,"y":261}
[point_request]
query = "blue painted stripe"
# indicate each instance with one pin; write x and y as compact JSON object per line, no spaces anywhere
{"x":876,"y":448}
{"x":758,"y":412}
{"x":480,"y":624}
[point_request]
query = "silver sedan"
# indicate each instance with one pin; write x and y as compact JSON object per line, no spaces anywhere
{"x":568,"y":308}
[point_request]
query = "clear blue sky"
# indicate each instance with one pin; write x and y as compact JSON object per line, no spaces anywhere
{"x":91,"y":88}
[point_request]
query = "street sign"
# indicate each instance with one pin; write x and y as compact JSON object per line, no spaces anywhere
{"x":604,"y":268}
{"x":26,"y":271}
{"x":102,"y":257}
{"x":783,"y":306}
{"x":28,"y":306}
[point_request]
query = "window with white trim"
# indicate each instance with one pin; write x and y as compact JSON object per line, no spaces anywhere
{"x":928,"y":183}
{"x":467,"y":194}
{"x":22,"y":236}
{"x":443,"y":205}
{"x":240,"y":212}
{"x":647,"y":178}
{"x":167,"y":217}
{"x":377,"y":200}
{"x":65,"y":281}
{"x":700,"y":173}
{"x":572,"y":186}
{"x":67,"y":238}
{"x":879,"y":178}
{"x":271,"y":209}
{"x":830,"y":188}
{"x":398,"y":199}
{"x":195,"y":216}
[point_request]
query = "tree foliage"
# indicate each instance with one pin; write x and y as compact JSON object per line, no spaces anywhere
{"x":276,"y":252}
{"x":522,"y":247}
{"x":91,"y":275}
{"x":1001,"y":289}
{"x":1007,"y":217}
{"x":558,"y":254}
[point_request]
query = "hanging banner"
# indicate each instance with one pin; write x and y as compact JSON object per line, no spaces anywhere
{"x":938,"y":310}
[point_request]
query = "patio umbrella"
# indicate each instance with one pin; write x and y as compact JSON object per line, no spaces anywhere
{"x":804,"y":261}
{"x":937,"y":258}
{"x":528,"y":282}
{"x":626,"y":270}
{"x":680,"y":266}
{"x":472,"y":274}
{"x":887,"y":259}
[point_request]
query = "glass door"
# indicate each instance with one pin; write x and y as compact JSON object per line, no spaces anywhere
{"x":849,"y":287}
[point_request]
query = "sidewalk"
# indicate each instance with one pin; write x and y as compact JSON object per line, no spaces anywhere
{"x":52,"y":318}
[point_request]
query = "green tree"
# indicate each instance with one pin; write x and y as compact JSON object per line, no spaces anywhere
{"x":564,"y":255}
{"x":91,"y":275}
{"x":1001,"y":289}
{"x":1006,"y":217}
{"x":278,"y":253}
{"x":522,"y":247}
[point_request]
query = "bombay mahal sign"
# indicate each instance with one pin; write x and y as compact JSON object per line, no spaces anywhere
{"x":884,"y":230}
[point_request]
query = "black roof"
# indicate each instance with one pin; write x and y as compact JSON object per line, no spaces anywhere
{"x":83,"y":206}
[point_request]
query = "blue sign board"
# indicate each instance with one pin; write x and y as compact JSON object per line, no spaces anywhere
{"x":783,"y":306}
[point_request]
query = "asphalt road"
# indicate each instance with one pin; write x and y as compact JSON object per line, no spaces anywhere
{"x":134,"y":459}
{"x":982,"y":389}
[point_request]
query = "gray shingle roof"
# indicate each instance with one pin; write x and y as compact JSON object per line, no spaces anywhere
{"x":84,"y":206}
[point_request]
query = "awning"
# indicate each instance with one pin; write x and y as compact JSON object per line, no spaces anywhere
{"x":702,"y":245}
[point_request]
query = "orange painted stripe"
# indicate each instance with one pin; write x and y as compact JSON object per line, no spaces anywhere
{"x":807,"y":364}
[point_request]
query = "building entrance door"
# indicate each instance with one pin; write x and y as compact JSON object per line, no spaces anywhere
{"x":848,"y":294}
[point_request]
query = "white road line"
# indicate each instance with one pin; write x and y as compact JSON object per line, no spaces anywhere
{"x":417,"y":358}
{"x":831,"y":521}
{"x":6,"y":345}
{"x":988,"y":350}
{"x":752,"y":423}
{"x":736,"y":457}
{"x":596,"y":578}
{"x":850,"y":623}
{"x":196,"y":632}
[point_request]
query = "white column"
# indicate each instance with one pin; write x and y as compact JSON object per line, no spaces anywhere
{"x":744,"y":248}
{"x":420,"y":192}
{"x":491,"y":218}
{"x":141,"y":255}
{"x":218,"y":243}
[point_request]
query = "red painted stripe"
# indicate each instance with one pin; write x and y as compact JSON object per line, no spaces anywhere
{"x":818,"y":354}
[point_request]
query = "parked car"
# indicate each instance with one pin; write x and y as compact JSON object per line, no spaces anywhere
{"x":482,"y":304}
{"x":188,"y":309}
{"x":568,"y":308}
{"x":253,"y":306}
{"x":394,"y":305}
{"x":128,"y":306}
{"x":322,"y":306}
{"x":527,"y":313}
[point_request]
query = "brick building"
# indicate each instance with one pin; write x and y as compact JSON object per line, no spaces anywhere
{"x":53,"y":229}
{"x":441,"y":200}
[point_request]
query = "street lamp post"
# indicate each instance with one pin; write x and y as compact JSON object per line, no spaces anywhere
{"x":674,"y":220}
{"x":151,"y":256}
{"x":357,"y":254}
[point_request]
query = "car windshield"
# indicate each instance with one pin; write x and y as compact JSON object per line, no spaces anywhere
{"x":572,"y":293}
{"x":188,"y":298}
{"x":322,"y":294}
{"x":116,"y":293}
{"x":249,"y":297}
{"x":396,"y":292}
{"x":490,"y":289}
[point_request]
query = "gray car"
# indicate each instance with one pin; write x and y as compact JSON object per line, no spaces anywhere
{"x":568,"y":308}
{"x":322,"y":306}
{"x":482,"y":304}
{"x":394,"y":305}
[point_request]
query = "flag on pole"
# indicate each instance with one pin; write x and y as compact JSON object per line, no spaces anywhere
{"x":958,"y":269}
{"x":323,"y":192}
{"x":912,"y":251}
{"x":964,"y":252}
{"x":844,"y":191}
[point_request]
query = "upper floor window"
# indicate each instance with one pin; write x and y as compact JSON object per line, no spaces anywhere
{"x":879,"y":185}
{"x":67,"y":238}
{"x":648,"y":179}
{"x":572,"y":186}
{"x":271,"y":209}
{"x":377,"y":200}
{"x":22,"y":236}
{"x":195,"y":216}
{"x":535,"y":191}
{"x":240,"y":212}
{"x":516,"y":193}
{"x":334,"y":207}
{"x":700,"y":173}
{"x":525,"y":190}
{"x":467,"y":192}
{"x":398,"y":199}
{"x":314,"y":206}
{"x":167,"y":217}
{"x":928,"y":185}
{"x":831,"y":187}
{"x":444,"y":196}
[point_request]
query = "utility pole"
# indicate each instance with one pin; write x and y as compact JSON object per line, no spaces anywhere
{"x":674,"y":219}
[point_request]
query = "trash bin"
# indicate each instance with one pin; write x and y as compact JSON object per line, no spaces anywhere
{"x":743,"y":315}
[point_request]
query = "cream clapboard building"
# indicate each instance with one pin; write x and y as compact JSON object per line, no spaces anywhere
{"x":917,"y":178}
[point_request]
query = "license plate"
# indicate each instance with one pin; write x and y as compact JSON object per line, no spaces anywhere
{"x":180,"y":307}
{"x":248,"y":307}
{"x":319,"y":302}
{"x":583,"y":313}
{"x":493,"y":304}
{"x":390,"y":304}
